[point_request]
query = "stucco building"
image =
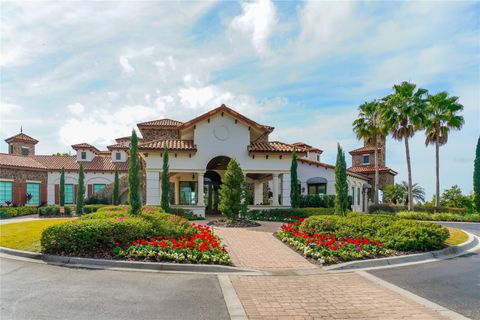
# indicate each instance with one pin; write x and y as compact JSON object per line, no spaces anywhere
{"x":199,"y":151}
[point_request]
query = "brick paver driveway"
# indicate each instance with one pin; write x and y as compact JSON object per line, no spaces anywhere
{"x":326,"y":296}
{"x":257,"y":248}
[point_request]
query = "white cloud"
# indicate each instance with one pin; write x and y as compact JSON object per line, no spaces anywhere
{"x":257,"y":22}
{"x":125,"y":64}
{"x":76,"y":108}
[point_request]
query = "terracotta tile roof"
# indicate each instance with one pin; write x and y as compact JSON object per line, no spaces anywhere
{"x":307,"y":147}
{"x":85,"y":146}
{"x":98,"y":163}
{"x":272,"y":146}
{"x":364,"y":149}
{"x":21,"y":137}
{"x":117,"y":146}
{"x":9,"y":160}
{"x":233,"y":113}
{"x":171,"y":144}
{"x":57,"y":162}
{"x":160,"y":123}
{"x":370,"y":169}
{"x":329,"y":166}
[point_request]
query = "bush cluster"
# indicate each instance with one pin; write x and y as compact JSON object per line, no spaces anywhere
{"x":9,"y":212}
{"x":286,"y":215}
{"x":383,"y":207}
{"x":184,"y":213}
{"x":317,"y":201}
{"x":393,"y":233}
{"x":53,"y":211}
{"x":438,"y":216}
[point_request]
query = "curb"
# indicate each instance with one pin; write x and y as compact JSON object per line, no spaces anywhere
{"x":446,"y":253}
{"x":88,"y":263}
{"x":234,"y":305}
{"x":427,"y":303}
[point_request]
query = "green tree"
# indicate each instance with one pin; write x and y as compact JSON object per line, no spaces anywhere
{"x":116,"y":189}
{"x":61,"y":191}
{"x":80,"y":190}
{"x":454,"y":198}
{"x":294,"y":192}
{"x":165,"y":181}
{"x":476,"y":177}
{"x":368,"y":127}
{"x":418,"y":193}
{"x":232,"y":191}
{"x":134,"y":176}
{"x":394,"y":193}
{"x":403,"y":114}
{"x":442,"y":116}
{"x":341,"y":185}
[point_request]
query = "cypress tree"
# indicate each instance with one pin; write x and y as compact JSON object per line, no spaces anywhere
{"x":61,"y":191}
{"x":80,"y":190}
{"x":476,"y":177}
{"x":165,"y":181}
{"x":294,"y":192}
{"x":134,"y":176}
{"x":232,"y":191}
{"x":116,"y":191}
{"x":341,"y":185}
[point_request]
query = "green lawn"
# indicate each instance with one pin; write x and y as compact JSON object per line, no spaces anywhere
{"x":457,"y":236}
{"x":25,"y":235}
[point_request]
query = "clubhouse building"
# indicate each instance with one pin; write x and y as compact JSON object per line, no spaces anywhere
{"x":199,"y":151}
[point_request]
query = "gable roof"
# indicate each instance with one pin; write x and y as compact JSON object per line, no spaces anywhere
{"x":224,"y":109}
{"x":21,"y":137}
{"x":85,"y":146}
{"x":364,"y":149}
{"x":371,"y":169}
{"x":160,"y":124}
{"x":117,"y":146}
{"x":171,"y":144}
{"x":307,"y":147}
{"x":272,"y":147}
{"x":332,"y":167}
{"x":14,"y":161}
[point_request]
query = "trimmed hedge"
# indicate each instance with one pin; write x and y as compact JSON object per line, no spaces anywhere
{"x":409,"y":215}
{"x":90,"y":208}
{"x":184,"y":213}
{"x":286,"y":215}
{"x":384,"y":207}
{"x":317,"y":201}
{"x":114,"y":208}
{"x":10,"y":212}
{"x":393,"y":233}
{"x":53,"y":211}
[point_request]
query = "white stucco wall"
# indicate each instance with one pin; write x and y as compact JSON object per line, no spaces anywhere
{"x":123,"y":156}
{"x":72,"y":178}
{"x":90,"y":155}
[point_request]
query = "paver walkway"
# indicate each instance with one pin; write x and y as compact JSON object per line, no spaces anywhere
{"x":260,"y":250}
{"x":329,"y":296}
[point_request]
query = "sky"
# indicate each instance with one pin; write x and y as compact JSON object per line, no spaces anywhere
{"x":76,"y":72}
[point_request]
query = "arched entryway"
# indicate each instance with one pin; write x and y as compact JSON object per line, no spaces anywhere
{"x":212,"y":181}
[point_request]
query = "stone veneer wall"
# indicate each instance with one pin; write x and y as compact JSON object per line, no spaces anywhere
{"x":20,"y":178}
{"x":17,"y":148}
{"x":159,"y":134}
{"x":357,"y":159}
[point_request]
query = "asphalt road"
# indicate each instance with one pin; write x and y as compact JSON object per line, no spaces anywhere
{"x":452,"y":283}
{"x":37,"y":291}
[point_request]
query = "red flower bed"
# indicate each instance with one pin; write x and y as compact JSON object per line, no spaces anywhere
{"x":327,"y":248}
{"x":202,"y":247}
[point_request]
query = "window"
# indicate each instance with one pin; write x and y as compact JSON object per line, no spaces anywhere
{"x":358,"y":196}
{"x":353,"y":195}
{"x":318,"y":157}
{"x":83,"y":155}
{"x":366,"y":159}
{"x":317,"y":188}
{"x":118,"y":156}
{"x":188,"y":192}
{"x":25,"y":151}
{"x":11,"y":149}
{"x":98,"y":187}
{"x":6,"y":192}
{"x":34,"y":190}
{"x":68,"y":193}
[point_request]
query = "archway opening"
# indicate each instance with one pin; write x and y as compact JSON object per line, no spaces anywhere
{"x":212,"y":182}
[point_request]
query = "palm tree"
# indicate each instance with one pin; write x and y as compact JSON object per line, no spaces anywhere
{"x":418,"y":193}
{"x":403,"y":114}
{"x":369,"y":128}
{"x":442,"y":115}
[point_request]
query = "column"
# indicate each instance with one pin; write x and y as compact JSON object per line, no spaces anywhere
{"x":275,"y":189}
{"x":201,"y":201}
{"x":153,"y":188}
{"x":258,"y":193}
{"x":286,"y":186}
{"x":177,"y":190}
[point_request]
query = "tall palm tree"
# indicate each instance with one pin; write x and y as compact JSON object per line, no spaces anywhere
{"x":418,"y":193}
{"x":442,"y":115}
{"x":403,"y":114}
{"x":369,"y":128}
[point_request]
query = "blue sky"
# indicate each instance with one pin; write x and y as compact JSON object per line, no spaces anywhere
{"x":87,"y":72}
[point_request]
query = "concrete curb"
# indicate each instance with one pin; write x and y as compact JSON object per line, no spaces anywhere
{"x":427,"y":303}
{"x":88,"y":263}
{"x":450,"y":252}
{"x":234,"y":305}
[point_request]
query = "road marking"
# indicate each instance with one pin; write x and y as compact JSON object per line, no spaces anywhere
{"x":234,"y":306}
{"x":427,"y":303}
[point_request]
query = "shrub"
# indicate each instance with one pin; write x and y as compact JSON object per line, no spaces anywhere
{"x":165,"y":224}
{"x":96,"y":200}
{"x":392,"y":232}
{"x":104,"y":215}
{"x":382,"y":207}
{"x":413,"y":215}
{"x":8,"y":212}
{"x":438,"y":216}
{"x":87,"y":237}
{"x":90,"y":208}
{"x":53,"y":211}
{"x":184,"y":213}
{"x":317,"y":201}
{"x":114,"y":208}
{"x":286,"y":215}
